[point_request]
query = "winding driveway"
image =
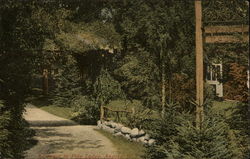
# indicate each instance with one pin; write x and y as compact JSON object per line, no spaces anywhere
{"x":60,"y":138}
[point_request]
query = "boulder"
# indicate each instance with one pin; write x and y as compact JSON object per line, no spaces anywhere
{"x":127,"y":136}
{"x":125,"y":130}
{"x":99,"y":126}
{"x":118,"y":134}
{"x":118,"y":127}
{"x":109,"y":123}
{"x":113,"y":124}
{"x":116,"y":131}
{"x":145,"y":142}
{"x":108,"y":129}
{"x":134,"y":132}
{"x":99,"y":122}
{"x":105,"y":122}
{"x":141,"y":133}
{"x":104,"y":127}
{"x":141,"y":139}
{"x":134,"y":139}
{"x":147,"y":137}
{"x":151,"y":142}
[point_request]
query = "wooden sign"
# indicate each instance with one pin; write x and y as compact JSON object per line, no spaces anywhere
{"x":227,"y":34}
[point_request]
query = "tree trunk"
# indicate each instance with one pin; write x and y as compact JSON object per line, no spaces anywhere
{"x":163,"y":91}
{"x":45,"y":82}
{"x":163,"y":86}
{"x":163,"y":78}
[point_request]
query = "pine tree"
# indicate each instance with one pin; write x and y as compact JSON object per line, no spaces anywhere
{"x":215,"y":140}
{"x":67,"y":82}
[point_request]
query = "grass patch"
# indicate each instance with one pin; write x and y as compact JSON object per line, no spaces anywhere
{"x":45,"y":104}
{"x":124,"y":104}
{"x":140,"y":111}
{"x":38,"y":101}
{"x":226,"y":108}
{"x":224,"y":105}
{"x":125,"y":148}
{"x":63,"y":112}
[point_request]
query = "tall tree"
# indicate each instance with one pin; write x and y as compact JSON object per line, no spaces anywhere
{"x":156,"y":27}
{"x":19,"y":41}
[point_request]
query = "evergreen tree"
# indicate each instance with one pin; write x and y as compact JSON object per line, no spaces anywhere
{"x":67,"y":82}
{"x":154,"y":30}
{"x":181,"y":139}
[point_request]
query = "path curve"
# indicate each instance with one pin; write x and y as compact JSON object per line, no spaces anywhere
{"x":62,"y":138}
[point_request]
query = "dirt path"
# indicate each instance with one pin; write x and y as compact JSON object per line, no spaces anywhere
{"x":61,"y":138}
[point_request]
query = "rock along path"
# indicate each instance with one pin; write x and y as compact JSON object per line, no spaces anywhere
{"x":63,"y":139}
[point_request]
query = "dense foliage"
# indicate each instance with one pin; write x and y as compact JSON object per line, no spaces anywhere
{"x":236,"y":86}
{"x":213,"y":140}
{"x":99,"y":51}
{"x":19,"y":41}
{"x":154,"y":47}
{"x":86,"y":110}
{"x":178,"y":137}
{"x":66,"y":77}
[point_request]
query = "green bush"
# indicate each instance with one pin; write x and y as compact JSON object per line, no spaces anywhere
{"x":180,"y":139}
{"x":86,"y":110}
{"x":67,"y":83}
{"x":106,"y":88}
{"x":238,"y":121}
{"x":15,"y":134}
{"x":163,"y":130}
{"x":140,"y":118}
{"x":4,"y":133}
{"x":214,"y":140}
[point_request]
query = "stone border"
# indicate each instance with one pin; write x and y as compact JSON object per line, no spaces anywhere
{"x":134,"y":134}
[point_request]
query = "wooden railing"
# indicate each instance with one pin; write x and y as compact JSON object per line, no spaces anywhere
{"x":105,"y":111}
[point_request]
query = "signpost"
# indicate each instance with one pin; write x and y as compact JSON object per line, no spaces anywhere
{"x":213,"y":34}
{"x":227,"y":34}
{"x":199,"y":64}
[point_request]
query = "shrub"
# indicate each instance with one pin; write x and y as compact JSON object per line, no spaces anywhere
{"x":163,"y":130}
{"x":239,"y":123}
{"x":106,"y":88}
{"x":15,"y":134}
{"x":184,"y":92}
{"x":86,"y":110}
{"x":67,"y":83}
{"x":214,"y":140}
{"x":180,"y":139}
{"x":139,"y":117}
{"x":236,"y":87}
{"x":4,"y":133}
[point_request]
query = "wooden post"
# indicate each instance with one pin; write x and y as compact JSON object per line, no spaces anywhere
{"x":163,"y":79}
{"x":101,"y":113}
{"x":133,"y":111}
{"x":45,"y":82}
{"x":199,"y":64}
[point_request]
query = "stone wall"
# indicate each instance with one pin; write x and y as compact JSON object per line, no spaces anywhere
{"x":130,"y":134}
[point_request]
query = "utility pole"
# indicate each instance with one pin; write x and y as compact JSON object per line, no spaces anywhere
{"x":199,"y":64}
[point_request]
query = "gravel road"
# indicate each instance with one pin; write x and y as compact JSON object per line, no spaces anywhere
{"x":60,"y":138}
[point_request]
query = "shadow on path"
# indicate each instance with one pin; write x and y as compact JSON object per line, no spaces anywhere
{"x":58,"y":136}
